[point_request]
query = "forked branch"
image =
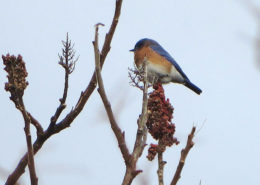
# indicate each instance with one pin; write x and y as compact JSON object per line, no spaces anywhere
{"x":69,"y":118}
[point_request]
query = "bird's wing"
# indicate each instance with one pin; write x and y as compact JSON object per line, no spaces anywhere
{"x":159,"y":49}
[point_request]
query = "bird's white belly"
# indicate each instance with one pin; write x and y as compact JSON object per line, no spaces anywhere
{"x":176,"y":76}
{"x":155,"y":68}
{"x":163,"y":74}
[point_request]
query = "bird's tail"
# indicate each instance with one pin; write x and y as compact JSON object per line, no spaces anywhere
{"x":193,"y":87}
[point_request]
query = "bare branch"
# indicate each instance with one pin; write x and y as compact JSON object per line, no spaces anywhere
{"x":36,"y":124}
{"x":68,"y":62}
{"x":141,"y":136}
{"x":117,"y":131}
{"x":137,"y":77}
{"x":142,"y":131}
{"x":110,"y":34}
{"x":16,"y":70}
{"x":33,"y":176}
{"x":69,"y":118}
{"x":184,"y":154}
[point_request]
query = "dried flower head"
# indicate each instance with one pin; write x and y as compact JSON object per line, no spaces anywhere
{"x":15,"y":67}
{"x":67,"y":58}
{"x":160,"y":114}
{"x":137,"y":78}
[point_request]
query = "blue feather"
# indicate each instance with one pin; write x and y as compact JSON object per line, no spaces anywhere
{"x":159,"y":49}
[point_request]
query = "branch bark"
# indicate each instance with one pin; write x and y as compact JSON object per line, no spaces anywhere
{"x":36,"y":124}
{"x":68,"y":62}
{"x":31,"y":165}
{"x":184,"y":154}
{"x":130,"y":160}
{"x":141,"y":136}
{"x":117,"y":131}
{"x":69,"y":118}
{"x":16,"y":85}
{"x":161,"y":163}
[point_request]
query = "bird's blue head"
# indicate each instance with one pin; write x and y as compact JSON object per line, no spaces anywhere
{"x":143,"y":42}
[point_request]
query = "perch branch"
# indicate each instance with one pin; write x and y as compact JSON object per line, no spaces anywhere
{"x":141,"y":136}
{"x":142,"y":131}
{"x":184,"y":154}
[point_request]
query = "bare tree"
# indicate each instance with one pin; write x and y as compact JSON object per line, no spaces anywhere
{"x":155,"y":117}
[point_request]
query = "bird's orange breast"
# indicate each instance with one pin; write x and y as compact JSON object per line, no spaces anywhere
{"x":150,"y":55}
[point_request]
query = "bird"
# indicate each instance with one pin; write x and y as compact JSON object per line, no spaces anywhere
{"x":161,"y":67}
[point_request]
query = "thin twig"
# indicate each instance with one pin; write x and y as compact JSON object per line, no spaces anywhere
{"x":137,"y":78}
{"x":184,"y":154}
{"x":69,"y":118}
{"x":68,"y":62}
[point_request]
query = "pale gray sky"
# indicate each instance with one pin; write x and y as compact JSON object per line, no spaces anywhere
{"x":213,"y":42}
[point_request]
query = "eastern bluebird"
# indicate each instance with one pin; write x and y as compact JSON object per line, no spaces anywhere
{"x":160,"y":65}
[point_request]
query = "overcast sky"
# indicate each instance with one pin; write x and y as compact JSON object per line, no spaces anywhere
{"x":212,"y":40}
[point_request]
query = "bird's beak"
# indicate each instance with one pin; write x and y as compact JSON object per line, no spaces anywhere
{"x":132,"y":50}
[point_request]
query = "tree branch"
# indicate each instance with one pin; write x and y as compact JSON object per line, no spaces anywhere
{"x":36,"y":124}
{"x":117,"y":131}
{"x":141,"y":136}
{"x":68,"y":62}
{"x":69,"y":118}
{"x":26,"y":117}
{"x":130,"y":160}
{"x":161,"y":163}
{"x":16,"y":85}
{"x":184,"y":154}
